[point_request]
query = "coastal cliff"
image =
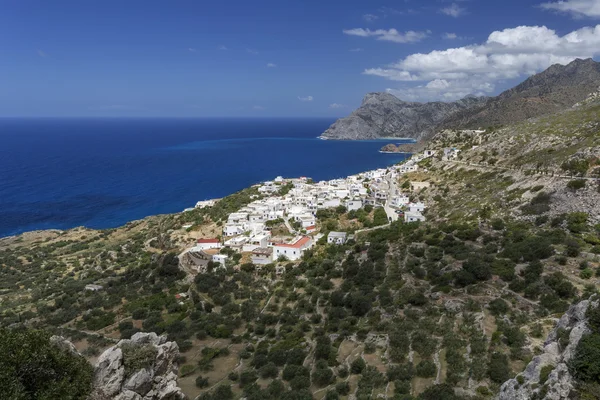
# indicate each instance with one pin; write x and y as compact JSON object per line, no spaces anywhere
{"x":383,"y":115}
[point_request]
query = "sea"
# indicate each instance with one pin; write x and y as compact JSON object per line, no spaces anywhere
{"x":102,"y":173}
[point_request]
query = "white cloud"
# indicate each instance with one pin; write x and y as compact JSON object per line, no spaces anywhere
{"x":394,"y":11}
{"x":356,"y":50}
{"x":307,"y":98}
{"x":507,"y":54}
{"x":336,"y":105}
{"x":391,"y":35}
{"x":444,"y":90}
{"x":41,"y":53}
{"x":252,"y":51}
{"x":271,"y":65}
{"x":578,"y":8}
{"x":370,"y":17}
{"x":453,"y":10}
{"x":191,"y":50}
{"x":450,"y":36}
{"x":222,"y":47}
{"x":258,"y":108}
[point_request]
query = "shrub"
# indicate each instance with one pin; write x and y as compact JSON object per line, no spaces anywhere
{"x":498,"y":369}
{"x":343,"y":388}
{"x":31,"y":367}
{"x":576,"y":184}
{"x":586,"y":273}
{"x":136,"y":357}
{"x":201,"y":382}
{"x":426,"y":369}
{"x":357,"y":366}
{"x":498,"y":307}
{"x":586,"y":363}
{"x":544,"y":372}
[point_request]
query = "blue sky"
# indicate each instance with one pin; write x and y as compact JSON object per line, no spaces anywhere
{"x":192,"y":58}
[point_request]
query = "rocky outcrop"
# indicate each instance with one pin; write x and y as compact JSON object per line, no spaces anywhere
{"x":141,"y":368}
{"x":559,"y":383}
{"x":383,"y":115}
{"x":401,"y":148}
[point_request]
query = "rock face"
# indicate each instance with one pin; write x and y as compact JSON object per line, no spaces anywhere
{"x":155,"y":380}
{"x":559,"y":383}
{"x":383,"y":115}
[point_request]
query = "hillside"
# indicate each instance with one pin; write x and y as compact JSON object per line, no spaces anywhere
{"x":382,"y":115}
{"x":548,"y":92}
{"x":449,"y":308}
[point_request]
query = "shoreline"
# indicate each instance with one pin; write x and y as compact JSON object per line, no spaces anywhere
{"x":189,"y":209}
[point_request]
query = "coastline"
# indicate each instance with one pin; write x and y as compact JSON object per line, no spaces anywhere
{"x":15,"y":237}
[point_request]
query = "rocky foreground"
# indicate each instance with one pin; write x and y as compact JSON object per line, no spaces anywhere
{"x":141,"y":368}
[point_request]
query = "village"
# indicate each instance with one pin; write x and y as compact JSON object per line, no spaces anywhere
{"x":295,"y":203}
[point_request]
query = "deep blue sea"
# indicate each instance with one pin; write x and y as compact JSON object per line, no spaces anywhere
{"x":102,"y":173}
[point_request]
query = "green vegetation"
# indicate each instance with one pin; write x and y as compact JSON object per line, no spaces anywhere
{"x":31,"y":367}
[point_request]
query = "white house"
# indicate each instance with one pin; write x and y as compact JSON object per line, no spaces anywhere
{"x":413,"y":217}
{"x":399,"y":201}
{"x":310,"y":229}
{"x":416,"y":207}
{"x":353,"y":205}
{"x":232,"y":229}
{"x":256,"y":241}
{"x":237,"y":218}
{"x":336,"y":237}
{"x":237,"y":243}
{"x":292,"y":251}
{"x":429,"y":153}
{"x":204,"y":244}
{"x":262,"y":255}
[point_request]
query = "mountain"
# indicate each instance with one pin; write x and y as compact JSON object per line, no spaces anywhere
{"x":383,"y":115}
{"x":557,"y":88}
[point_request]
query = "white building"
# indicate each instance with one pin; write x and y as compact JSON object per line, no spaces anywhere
{"x":232,"y":229}
{"x":413,"y":217}
{"x":399,"y":201}
{"x":416,"y":207}
{"x":353,"y":205}
{"x":336,"y":237}
{"x":292,"y":251}
{"x":237,"y":243}
{"x":204,"y":244}
{"x":256,"y":241}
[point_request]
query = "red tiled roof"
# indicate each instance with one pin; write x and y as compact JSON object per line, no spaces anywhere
{"x":296,"y":245}
{"x":208,"y":240}
{"x":308,"y":228}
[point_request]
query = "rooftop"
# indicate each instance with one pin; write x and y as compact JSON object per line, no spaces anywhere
{"x":297,"y":244}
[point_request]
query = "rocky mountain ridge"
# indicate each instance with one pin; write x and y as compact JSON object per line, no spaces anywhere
{"x":382,"y":115}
